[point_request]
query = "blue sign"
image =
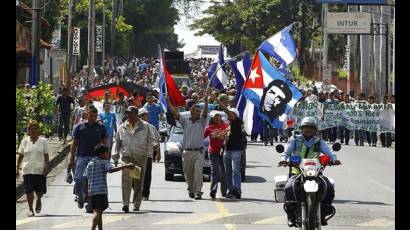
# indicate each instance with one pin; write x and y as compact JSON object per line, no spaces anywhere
{"x":374,"y":2}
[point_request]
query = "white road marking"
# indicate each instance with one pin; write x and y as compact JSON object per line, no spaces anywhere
{"x":196,"y":218}
{"x":380,"y":222}
{"x":26,"y":220}
{"x":381,"y":185}
{"x":107,"y":219}
{"x":273,"y":220}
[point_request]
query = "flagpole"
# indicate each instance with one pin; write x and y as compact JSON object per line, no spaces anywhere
{"x":213,"y":75}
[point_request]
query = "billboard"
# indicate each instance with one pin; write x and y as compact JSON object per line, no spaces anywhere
{"x":348,"y":23}
{"x":372,"y":2}
{"x":76,"y":41}
{"x":209,"y":50}
{"x":98,"y":47}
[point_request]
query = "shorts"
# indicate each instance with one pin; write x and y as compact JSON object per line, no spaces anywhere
{"x":35,"y":183}
{"x":99,"y":201}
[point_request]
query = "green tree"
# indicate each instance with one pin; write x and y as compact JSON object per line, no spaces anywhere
{"x":34,"y":104}
{"x":245,"y":24}
{"x":142,"y":26}
{"x":153,"y":24}
{"x":123,"y":35}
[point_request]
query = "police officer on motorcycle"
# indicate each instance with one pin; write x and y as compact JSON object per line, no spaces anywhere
{"x":307,"y":146}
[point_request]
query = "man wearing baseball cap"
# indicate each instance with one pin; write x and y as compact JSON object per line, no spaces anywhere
{"x":134,"y":139}
{"x":193,"y":158}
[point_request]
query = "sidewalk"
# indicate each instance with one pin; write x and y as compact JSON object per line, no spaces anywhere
{"x":58,"y":152}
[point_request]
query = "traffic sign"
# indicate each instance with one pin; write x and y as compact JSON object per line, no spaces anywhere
{"x":348,"y":23}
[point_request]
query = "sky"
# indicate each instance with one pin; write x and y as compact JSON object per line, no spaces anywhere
{"x":191,"y":41}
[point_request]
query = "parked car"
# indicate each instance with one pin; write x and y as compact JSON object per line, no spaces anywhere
{"x":173,"y":152}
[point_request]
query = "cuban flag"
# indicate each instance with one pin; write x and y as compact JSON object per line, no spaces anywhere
{"x":270,"y":91}
{"x":220,"y":80}
{"x":281,"y":46}
{"x":248,"y":112}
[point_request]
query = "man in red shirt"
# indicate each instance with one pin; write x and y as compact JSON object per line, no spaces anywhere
{"x":216,"y":130}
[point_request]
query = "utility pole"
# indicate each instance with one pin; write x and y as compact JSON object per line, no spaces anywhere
{"x":325,"y":8}
{"x":51,"y":70}
{"x":302,"y":12}
{"x":70,"y":41}
{"x":103,"y":41}
{"x":384,"y":64}
{"x":393,"y":91}
{"x":349,"y":67}
{"x":35,"y":43}
{"x":377,"y":58}
{"x":113,"y":29}
{"x":364,"y":58}
{"x":120,"y":7}
{"x":91,"y":42}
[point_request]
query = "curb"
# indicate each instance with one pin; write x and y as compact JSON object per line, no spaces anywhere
{"x":59,"y":157}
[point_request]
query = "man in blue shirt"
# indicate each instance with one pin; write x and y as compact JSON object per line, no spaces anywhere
{"x":155,"y":111}
{"x":306,"y":146}
{"x":86,"y":136}
{"x":110,"y":123}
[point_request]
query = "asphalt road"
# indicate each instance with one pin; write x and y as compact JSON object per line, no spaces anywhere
{"x":364,"y":186}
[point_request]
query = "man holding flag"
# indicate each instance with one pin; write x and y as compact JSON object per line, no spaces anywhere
{"x":248,"y":112}
{"x":193,"y":158}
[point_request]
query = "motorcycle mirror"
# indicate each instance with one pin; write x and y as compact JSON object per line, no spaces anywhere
{"x":336,"y":147}
{"x":280,"y":148}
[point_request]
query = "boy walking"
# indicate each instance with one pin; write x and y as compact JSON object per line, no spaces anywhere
{"x":95,"y":176}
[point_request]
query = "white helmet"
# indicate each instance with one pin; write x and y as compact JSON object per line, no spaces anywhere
{"x":310,"y":121}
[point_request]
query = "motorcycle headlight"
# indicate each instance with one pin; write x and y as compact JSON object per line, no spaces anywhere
{"x":310,"y":172}
{"x":172,"y":148}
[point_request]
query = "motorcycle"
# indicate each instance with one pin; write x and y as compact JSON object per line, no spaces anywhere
{"x":309,"y":207}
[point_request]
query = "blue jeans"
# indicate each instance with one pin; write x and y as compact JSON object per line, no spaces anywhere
{"x":81,"y":164}
{"x":217,"y":173}
{"x":232,"y":161}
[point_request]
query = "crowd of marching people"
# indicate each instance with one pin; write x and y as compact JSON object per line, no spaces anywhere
{"x":97,"y":138}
